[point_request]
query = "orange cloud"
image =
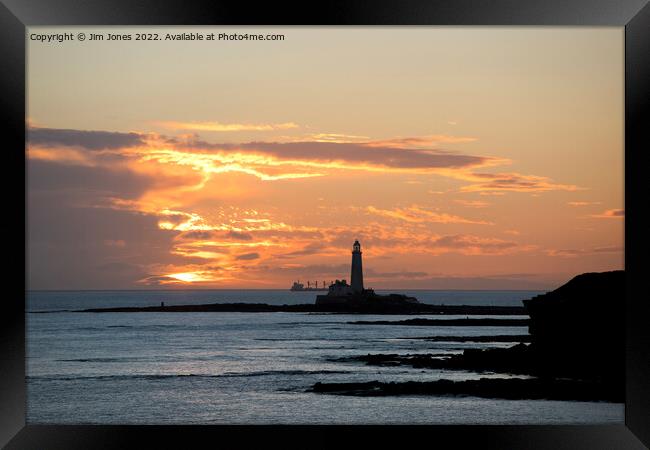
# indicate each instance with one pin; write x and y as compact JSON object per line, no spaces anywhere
{"x":225,"y":127}
{"x":324,"y":137}
{"x":420,"y":141}
{"x":417,"y":214}
{"x":514,"y":182}
{"x":473,"y":203}
{"x":476,"y":245}
{"x":582,"y":203}
{"x":577,"y":252}
{"x":611,"y":214}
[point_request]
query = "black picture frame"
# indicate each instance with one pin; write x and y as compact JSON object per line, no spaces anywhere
{"x":15,"y":15}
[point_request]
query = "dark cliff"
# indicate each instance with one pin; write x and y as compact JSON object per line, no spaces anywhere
{"x":579,"y":328}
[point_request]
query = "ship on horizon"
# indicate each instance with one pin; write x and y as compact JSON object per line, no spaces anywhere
{"x":299,"y":287}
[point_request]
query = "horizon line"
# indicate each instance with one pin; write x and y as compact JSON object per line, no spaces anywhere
{"x":269,"y":289}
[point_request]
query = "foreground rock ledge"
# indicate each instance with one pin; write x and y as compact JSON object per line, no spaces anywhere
{"x":510,"y":389}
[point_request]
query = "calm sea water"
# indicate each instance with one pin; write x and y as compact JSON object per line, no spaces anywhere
{"x":232,"y":368}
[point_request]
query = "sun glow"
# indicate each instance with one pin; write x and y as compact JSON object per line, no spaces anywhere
{"x":191,"y":277}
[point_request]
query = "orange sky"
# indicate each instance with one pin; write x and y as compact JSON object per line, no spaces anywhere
{"x":460,"y":158}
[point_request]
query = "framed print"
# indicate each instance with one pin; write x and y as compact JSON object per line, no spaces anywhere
{"x":380,"y":221}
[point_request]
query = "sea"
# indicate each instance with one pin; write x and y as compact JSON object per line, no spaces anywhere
{"x":255,"y":368}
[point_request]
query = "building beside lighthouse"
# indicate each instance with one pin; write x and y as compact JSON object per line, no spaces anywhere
{"x":354,"y":294}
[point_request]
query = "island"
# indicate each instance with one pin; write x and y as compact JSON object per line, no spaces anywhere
{"x":351,"y":308}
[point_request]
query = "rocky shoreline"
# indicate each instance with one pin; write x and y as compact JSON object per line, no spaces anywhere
{"x":495,"y":338}
{"x":448,"y":322}
{"x":367,"y":308}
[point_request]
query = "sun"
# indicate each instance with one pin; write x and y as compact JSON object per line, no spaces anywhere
{"x":189,"y":277}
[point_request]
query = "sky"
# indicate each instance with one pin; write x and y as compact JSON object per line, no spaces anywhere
{"x":461,"y":158}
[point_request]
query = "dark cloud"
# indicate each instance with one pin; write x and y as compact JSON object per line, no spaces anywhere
{"x":310,"y":249}
{"x":310,"y":271}
{"x":51,"y":176}
{"x":574,"y":252}
{"x":371,"y":274}
{"x":351,"y":152}
{"x":157,"y":280}
{"x":66,"y":244}
{"x":204,"y":235}
{"x":118,"y":267}
{"x":460,"y":241}
{"x":196,"y":235}
{"x":248,"y":256}
{"x":91,"y":140}
{"x":239,"y":235}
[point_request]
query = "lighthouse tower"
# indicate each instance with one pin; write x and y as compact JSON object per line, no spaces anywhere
{"x":356,"y":276}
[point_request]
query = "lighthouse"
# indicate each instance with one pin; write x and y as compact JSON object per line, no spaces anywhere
{"x":353,"y":297}
{"x":356,"y":276}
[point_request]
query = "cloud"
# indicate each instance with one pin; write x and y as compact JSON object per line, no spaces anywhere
{"x":115,"y":243}
{"x":312,"y":157}
{"x":611,"y":214}
{"x":171,"y":200}
{"x":576,"y":252}
{"x":492,"y":194}
{"x":376,"y":155}
{"x":90,"y":140}
{"x":514,"y":182}
{"x":158,"y":280}
{"x":417,"y":214}
{"x":74,"y":247}
{"x":239,"y":235}
{"x":473,"y":203}
{"x":304,"y":272}
{"x":420,"y":141}
{"x":370,"y":274}
{"x":469,"y":244}
{"x":324,"y":137}
{"x":310,"y":249}
{"x":610,"y":249}
{"x":273,"y":161}
{"x":225,"y":127}
{"x":89,"y":182}
{"x":247,"y":256}
{"x":582,"y":203}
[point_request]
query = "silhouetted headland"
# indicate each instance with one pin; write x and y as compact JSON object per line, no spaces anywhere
{"x":576,"y":352}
